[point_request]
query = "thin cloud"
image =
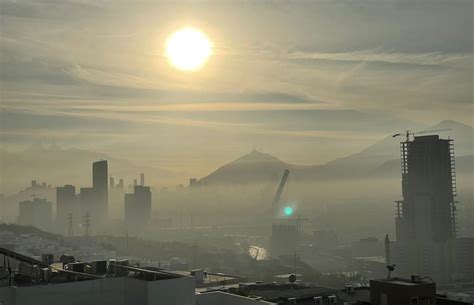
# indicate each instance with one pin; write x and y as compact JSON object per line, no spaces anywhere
{"x":448,"y":60}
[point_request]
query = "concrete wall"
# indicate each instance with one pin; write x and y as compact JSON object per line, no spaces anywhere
{"x":110,"y":291}
{"x":6,"y":294}
{"x":223,"y":298}
{"x":93,"y":292}
{"x":135,"y":292}
{"x":179,"y":291}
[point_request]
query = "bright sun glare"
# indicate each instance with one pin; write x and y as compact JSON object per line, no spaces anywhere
{"x":188,"y":49}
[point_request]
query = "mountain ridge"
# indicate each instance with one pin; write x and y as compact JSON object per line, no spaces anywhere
{"x":366,"y":163}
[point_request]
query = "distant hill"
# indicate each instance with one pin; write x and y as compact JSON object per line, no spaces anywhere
{"x":59,"y":166}
{"x":253,"y":167}
{"x":378,"y":160}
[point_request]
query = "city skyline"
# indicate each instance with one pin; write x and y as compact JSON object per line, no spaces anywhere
{"x":244,"y":152}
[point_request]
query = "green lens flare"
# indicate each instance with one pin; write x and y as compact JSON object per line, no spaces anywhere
{"x":288,"y":211}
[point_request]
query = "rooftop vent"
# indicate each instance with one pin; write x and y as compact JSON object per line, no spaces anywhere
{"x":318,"y":300}
{"x":415,"y":278}
{"x":349,"y":289}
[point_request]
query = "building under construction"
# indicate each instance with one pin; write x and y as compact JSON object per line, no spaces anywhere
{"x":427,"y":211}
{"x":426,"y":217}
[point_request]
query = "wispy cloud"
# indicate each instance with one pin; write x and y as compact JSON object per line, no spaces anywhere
{"x":449,"y":60}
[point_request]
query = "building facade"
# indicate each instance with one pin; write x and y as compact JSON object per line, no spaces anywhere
{"x":137,"y":208}
{"x":66,"y":204}
{"x":100,"y":179}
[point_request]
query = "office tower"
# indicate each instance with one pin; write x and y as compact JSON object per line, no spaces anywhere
{"x":142,"y":179}
{"x":65,"y":204}
{"x":100,"y":186}
{"x":284,"y":239}
{"x":87,"y":201}
{"x":111,"y":182}
{"x":427,"y":211}
{"x":37,"y":212}
{"x":137,"y":208}
{"x":135,"y":182}
{"x":120,"y":184}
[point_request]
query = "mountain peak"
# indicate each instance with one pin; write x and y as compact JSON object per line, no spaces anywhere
{"x":451,"y":124}
{"x":256,"y":166}
{"x":258,"y":156}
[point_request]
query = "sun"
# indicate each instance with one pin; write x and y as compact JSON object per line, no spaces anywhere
{"x":188,"y":49}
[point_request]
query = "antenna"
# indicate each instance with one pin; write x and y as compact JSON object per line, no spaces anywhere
{"x":390,"y":268}
{"x":387,"y":249}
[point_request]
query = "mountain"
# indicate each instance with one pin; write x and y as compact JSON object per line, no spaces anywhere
{"x":253,"y":167}
{"x":378,"y":160}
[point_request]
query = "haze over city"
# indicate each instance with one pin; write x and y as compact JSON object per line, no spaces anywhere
{"x":312,"y":143}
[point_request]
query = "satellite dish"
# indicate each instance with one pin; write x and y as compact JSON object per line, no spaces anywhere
{"x":292,"y":278}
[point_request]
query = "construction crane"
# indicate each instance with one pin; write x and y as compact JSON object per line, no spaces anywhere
{"x":284,"y":178}
{"x":407,"y":133}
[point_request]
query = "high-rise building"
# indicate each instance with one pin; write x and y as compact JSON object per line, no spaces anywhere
{"x":100,"y":178}
{"x":142,"y":179}
{"x":87,"y":200}
{"x":138,"y":207}
{"x":37,"y":212}
{"x":426,"y":220}
{"x":284,"y":239}
{"x":65,"y":204}
{"x":427,"y":211}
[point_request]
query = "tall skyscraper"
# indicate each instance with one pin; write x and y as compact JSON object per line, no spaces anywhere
{"x":425,"y":223}
{"x":137,"y":208}
{"x":142,"y":179}
{"x":100,"y":178}
{"x":427,"y":211}
{"x":65,"y":204}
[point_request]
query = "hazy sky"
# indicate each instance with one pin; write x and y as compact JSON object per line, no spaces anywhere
{"x":305,"y":80}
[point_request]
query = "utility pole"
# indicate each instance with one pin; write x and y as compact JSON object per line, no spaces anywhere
{"x":71,"y":227}
{"x":195,"y":254}
{"x":294,"y":263}
{"x":126,"y":241}
{"x":87,"y":223}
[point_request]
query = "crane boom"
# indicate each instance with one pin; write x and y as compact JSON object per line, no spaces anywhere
{"x":276,"y":199}
{"x":407,"y":133}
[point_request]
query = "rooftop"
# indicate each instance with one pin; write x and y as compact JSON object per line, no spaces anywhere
{"x":31,"y":272}
{"x":404,"y":282}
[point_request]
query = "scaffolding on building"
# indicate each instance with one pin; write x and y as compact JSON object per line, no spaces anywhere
{"x":453,"y":187}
